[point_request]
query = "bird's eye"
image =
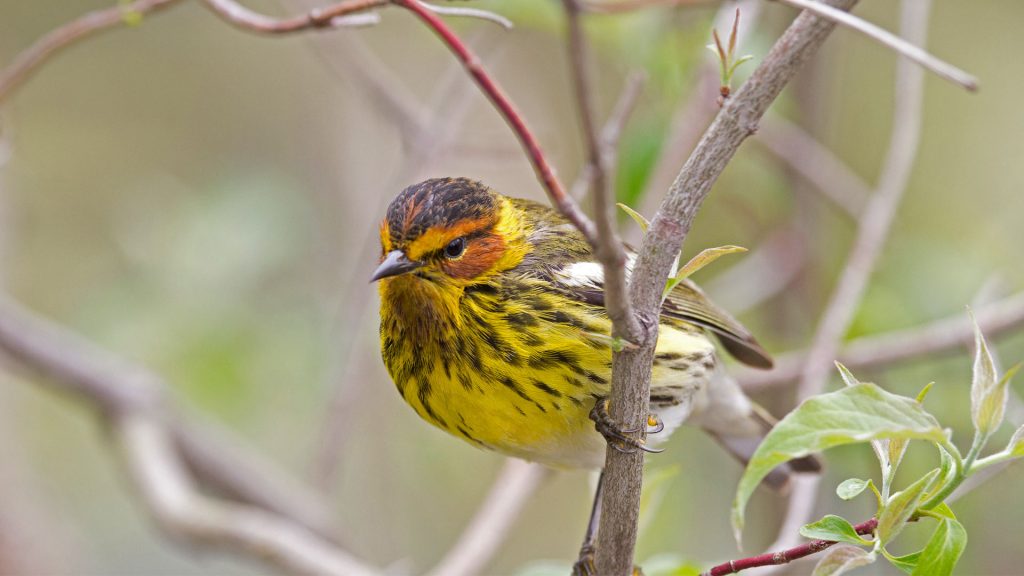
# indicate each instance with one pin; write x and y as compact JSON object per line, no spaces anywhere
{"x":455,"y":248}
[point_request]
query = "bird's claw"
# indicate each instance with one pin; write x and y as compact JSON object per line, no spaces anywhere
{"x":619,"y":438}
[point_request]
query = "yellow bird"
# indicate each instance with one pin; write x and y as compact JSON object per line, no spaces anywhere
{"x":493,"y":328}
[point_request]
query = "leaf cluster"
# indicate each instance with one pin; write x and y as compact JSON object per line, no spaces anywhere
{"x":863,"y":412}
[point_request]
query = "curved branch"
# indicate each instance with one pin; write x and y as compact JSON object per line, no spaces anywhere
{"x":321,"y":18}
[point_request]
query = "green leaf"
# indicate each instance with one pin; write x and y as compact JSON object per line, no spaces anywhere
{"x":833,"y":528}
{"x":943,"y":550}
{"x":893,"y":517}
{"x":859,"y":413}
{"x":1016,"y":445}
{"x":924,"y":392}
{"x":636,"y":216}
{"x":706,"y":256}
{"x":988,"y":392}
{"x":848,"y":376}
{"x":906,"y":563}
{"x":851,"y":488}
{"x":841,"y":559}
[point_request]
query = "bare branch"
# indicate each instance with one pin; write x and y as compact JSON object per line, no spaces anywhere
{"x":545,"y":172}
{"x":470,"y":13}
{"x":27,"y":61}
{"x":182,"y":511}
{"x":909,"y":49}
{"x":611,"y":133}
{"x":892,"y":347}
{"x":321,"y":18}
{"x":631,"y":371}
{"x":486,"y":532}
{"x":121,"y":390}
{"x":816,"y":164}
{"x":609,"y":249}
{"x":880,"y":211}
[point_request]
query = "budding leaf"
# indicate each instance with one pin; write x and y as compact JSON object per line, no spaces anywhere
{"x":706,"y":256}
{"x":851,"y":488}
{"x":637,"y":217}
{"x":988,"y":392}
{"x":859,"y":413}
{"x":841,"y":559}
{"x":901,"y":507}
{"x":943,"y":550}
{"x":1016,"y":445}
{"x":833,"y":528}
{"x":848,"y":378}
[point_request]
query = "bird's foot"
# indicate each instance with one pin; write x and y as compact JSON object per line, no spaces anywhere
{"x":585,"y":564}
{"x":619,"y":438}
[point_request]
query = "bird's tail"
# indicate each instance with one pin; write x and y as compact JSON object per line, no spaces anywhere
{"x":739,"y":425}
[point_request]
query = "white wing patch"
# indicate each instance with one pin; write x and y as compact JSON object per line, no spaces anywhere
{"x":588,"y":274}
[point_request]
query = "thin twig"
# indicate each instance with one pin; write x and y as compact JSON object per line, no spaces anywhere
{"x":737,"y":121}
{"x":784,"y":556}
{"x":909,"y":49}
{"x":486,"y":532}
{"x":816,"y":164}
{"x":888,"y":348}
{"x":611,"y":132}
{"x":545,"y":172}
{"x":182,"y":511}
{"x":470,"y":13}
{"x":609,"y":249}
{"x":880,"y":211}
{"x":321,"y":18}
{"x":27,"y":61}
{"x":116,"y":389}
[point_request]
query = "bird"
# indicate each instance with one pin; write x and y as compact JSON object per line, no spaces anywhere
{"x":493,"y":328}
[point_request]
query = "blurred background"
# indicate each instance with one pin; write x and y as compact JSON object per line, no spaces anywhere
{"x":204,"y":201}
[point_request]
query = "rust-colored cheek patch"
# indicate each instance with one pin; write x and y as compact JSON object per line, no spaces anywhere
{"x":481,"y":253}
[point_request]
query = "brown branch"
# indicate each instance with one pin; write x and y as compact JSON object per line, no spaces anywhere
{"x":611,"y":133}
{"x":131,"y":398}
{"x":609,"y":249}
{"x":816,"y":164}
{"x":901,"y":345}
{"x":26,"y":62}
{"x":902,"y":47}
{"x":878,"y":215}
{"x":486,"y":532}
{"x":669,"y":227}
{"x":545,"y":172}
{"x":321,"y":18}
{"x":784,"y":556}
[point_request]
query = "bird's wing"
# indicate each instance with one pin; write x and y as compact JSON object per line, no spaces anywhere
{"x":687,"y":302}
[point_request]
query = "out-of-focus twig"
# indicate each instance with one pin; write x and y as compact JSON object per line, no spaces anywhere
{"x":608,"y":249}
{"x":470,"y":13}
{"x":320,"y":18}
{"x":908,"y":49}
{"x":880,"y":211}
{"x":816,"y":164}
{"x":762,"y":274}
{"x":181,"y":510}
{"x":128,"y":395}
{"x":486,"y":532}
{"x":545,"y":172}
{"x":25,"y":63}
{"x":611,"y":133}
{"x":950,"y":333}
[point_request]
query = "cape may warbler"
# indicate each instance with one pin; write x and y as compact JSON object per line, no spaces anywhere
{"x":493,"y":328}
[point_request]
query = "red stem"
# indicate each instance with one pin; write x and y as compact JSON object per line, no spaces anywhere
{"x":545,"y":173}
{"x":785,"y":556}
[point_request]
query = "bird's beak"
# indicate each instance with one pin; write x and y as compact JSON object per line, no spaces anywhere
{"x":394,"y":263}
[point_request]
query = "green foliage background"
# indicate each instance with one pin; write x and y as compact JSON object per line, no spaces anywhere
{"x":205,"y":202}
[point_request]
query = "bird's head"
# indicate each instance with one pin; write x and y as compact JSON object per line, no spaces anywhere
{"x":448,"y":233}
